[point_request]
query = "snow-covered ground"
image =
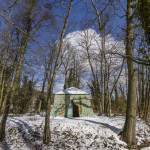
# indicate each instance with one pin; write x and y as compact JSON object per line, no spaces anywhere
{"x":98,"y":133}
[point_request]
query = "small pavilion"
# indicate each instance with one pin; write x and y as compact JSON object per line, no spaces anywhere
{"x":72,"y":102}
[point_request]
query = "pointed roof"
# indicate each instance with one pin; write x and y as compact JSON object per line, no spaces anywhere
{"x":72,"y":91}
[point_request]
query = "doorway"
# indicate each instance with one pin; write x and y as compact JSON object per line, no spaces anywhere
{"x":76,"y":112}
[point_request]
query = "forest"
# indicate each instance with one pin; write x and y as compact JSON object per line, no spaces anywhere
{"x":74,"y":74}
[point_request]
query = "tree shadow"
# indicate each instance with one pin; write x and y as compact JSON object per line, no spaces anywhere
{"x":29,"y":136}
{"x":112,"y":128}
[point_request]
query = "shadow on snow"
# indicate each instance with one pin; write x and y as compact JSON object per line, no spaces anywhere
{"x":29,"y":136}
{"x":112,"y":128}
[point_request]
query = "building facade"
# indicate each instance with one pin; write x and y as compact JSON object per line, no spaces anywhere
{"x":72,"y":102}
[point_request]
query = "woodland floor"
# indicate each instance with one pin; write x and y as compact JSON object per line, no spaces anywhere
{"x":98,"y":133}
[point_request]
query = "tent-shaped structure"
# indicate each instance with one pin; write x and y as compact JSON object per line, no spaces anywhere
{"x":72,"y":102}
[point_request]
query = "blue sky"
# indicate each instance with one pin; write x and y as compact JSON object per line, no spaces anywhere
{"x":81,"y":14}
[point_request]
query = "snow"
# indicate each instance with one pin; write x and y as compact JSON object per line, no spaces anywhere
{"x":86,"y":133}
{"x":72,"y":90}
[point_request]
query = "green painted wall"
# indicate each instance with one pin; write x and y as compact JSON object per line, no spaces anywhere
{"x":62,"y":105}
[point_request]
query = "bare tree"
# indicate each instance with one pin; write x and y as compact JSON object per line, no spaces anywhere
{"x":23,"y":40}
{"x":54,"y":65}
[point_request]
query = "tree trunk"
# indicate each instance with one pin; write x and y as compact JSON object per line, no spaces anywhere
{"x":41,"y":97}
{"x":18,"y":73}
{"x":2,"y":86}
{"x":129,"y":134}
{"x":2,"y":95}
{"x":47,"y":135}
{"x":7,"y":99}
{"x":4,"y":118}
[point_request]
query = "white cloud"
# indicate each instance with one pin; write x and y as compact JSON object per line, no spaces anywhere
{"x":78,"y":40}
